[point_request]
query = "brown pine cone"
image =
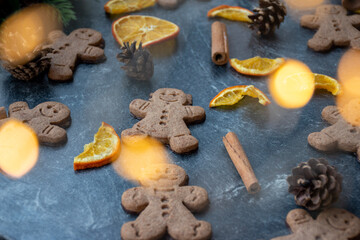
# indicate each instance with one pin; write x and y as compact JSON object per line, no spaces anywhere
{"x":138,"y":61}
{"x":267,"y":16}
{"x":31,"y":69}
{"x":315,"y":184}
{"x":351,"y":5}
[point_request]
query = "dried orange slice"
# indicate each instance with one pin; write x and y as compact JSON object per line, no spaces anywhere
{"x":19,"y":148}
{"x":104,"y":149}
{"x":256,"y":66}
{"x":327,"y":83}
{"x":232,"y":95}
{"x":231,"y":13}
{"x":125,"y":6}
{"x":145,"y":29}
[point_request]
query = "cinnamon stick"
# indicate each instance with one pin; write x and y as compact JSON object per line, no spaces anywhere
{"x":219,"y":43}
{"x":241,"y":162}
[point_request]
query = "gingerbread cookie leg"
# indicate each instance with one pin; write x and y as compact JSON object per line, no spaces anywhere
{"x":149,"y":225}
{"x":320,"y":43}
{"x":181,"y":140}
{"x":59,"y":72}
{"x":185,"y":228}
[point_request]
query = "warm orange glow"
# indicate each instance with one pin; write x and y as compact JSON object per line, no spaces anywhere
{"x":292,"y":85}
{"x":23,"y":33}
{"x":303,"y":4}
{"x":140,"y":158}
{"x":19,"y":148}
{"x":349,"y":76}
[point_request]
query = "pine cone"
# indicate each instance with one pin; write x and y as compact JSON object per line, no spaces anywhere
{"x":315,"y":184}
{"x":351,"y":5}
{"x":31,"y":69}
{"x":267,"y":16}
{"x":138,"y":62}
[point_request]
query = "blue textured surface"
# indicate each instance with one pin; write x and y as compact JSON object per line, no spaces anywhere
{"x":54,"y":202}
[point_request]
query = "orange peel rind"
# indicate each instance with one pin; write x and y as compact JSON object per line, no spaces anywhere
{"x":232,"y":95}
{"x":145,"y":29}
{"x":256,"y":66}
{"x":231,"y":13}
{"x":126,"y":6}
{"x":104,"y":149}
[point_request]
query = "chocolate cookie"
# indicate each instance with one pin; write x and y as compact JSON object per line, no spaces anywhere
{"x":165,"y":205}
{"x":334,"y":28}
{"x":165,"y":116}
{"x":82,"y":45}
{"x":340,"y":135}
{"x":47,"y":119}
{"x":331,"y":224}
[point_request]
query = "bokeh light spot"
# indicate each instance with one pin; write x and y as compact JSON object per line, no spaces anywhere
{"x":141,"y":158}
{"x":292,"y":85}
{"x":23,"y":33}
{"x":349,"y":77}
{"x":19,"y":148}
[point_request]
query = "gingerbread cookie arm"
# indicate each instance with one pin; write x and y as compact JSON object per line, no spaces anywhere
{"x":17,"y":107}
{"x":355,"y":20}
{"x":298,"y":218}
{"x":331,"y":114}
{"x":194,"y":114}
{"x":310,"y":21}
{"x":134,"y":200}
{"x":91,"y":54}
{"x":322,"y":141}
{"x":195,"y":198}
{"x":139,"y":107}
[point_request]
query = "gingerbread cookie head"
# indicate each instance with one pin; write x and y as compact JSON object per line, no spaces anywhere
{"x":87,"y":34}
{"x":330,"y":9}
{"x":297,"y":218}
{"x":342,"y":221}
{"x":171,"y":95}
{"x":56,"y":112}
{"x":165,"y":176}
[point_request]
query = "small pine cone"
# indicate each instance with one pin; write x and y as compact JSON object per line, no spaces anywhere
{"x":268,"y":16}
{"x":31,"y":69}
{"x":138,"y":61}
{"x":315,"y":184}
{"x":351,"y":5}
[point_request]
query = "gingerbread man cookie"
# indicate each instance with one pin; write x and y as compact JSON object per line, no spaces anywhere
{"x":47,"y":120}
{"x":165,"y":205}
{"x":340,"y":135}
{"x":331,"y":224}
{"x":334,"y":28}
{"x":165,"y":116}
{"x":82,"y":45}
